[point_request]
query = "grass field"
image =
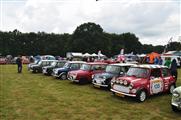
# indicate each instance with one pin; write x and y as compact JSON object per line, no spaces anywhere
{"x":30,"y":96}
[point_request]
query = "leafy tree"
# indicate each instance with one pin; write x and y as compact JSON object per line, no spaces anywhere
{"x":88,"y":37}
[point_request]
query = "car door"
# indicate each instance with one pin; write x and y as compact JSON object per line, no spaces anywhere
{"x":166,"y":78}
{"x":156,"y":81}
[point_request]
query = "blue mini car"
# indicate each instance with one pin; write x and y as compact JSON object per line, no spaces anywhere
{"x":69,"y":66}
{"x":112,"y":70}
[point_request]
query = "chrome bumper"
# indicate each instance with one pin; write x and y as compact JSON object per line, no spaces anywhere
{"x":44,"y":72}
{"x":55,"y":75}
{"x":73,"y":80}
{"x":126,"y":94}
{"x":99,"y":84}
{"x":178,"y":105}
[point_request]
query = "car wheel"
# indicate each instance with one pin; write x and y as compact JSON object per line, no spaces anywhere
{"x":172,"y":87}
{"x":175,"y":109}
{"x":141,"y":96}
{"x":64,"y":77}
{"x":109,"y":86}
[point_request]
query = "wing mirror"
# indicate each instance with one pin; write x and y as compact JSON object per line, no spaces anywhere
{"x":121,"y":73}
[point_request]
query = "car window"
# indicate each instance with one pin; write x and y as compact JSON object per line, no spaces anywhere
{"x":165,"y":72}
{"x":122,"y":69}
{"x":44,"y":63}
{"x":113,"y":69}
{"x":75,"y":66}
{"x":60,"y":64}
{"x":155,"y":73}
{"x":98,"y":67}
{"x":126,"y":68}
{"x":103,"y":67}
{"x":138,"y":72}
{"x":49,"y":63}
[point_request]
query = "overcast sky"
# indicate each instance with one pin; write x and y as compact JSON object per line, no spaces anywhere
{"x":153,"y":21}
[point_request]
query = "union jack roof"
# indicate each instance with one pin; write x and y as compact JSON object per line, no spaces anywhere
{"x":150,"y":66}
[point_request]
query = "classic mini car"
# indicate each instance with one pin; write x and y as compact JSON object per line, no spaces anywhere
{"x":176,"y":99}
{"x":37,"y":68}
{"x":142,"y":81}
{"x":69,"y":66}
{"x":84,"y":75}
{"x":47,"y":70}
{"x":112,"y":70}
{"x":31,"y":64}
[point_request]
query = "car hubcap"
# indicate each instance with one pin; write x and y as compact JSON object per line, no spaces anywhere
{"x":63,"y":77}
{"x":142,"y":96}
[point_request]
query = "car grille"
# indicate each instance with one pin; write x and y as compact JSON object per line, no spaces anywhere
{"x":121,"y":88}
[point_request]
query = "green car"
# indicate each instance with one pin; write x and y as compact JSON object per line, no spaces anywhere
{"x":176,"y":99}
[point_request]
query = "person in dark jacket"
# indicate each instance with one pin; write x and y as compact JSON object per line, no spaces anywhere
{"x":173,"y":69}
{"x":19,"y":63}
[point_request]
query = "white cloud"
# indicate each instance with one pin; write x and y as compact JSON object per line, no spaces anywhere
{"x":153,"y":21}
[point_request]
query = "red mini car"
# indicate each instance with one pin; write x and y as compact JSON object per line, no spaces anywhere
{"x":142,"y":81}
{"x":84,"y":75}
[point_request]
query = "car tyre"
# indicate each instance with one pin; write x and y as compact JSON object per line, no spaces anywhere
{"x":63,"y":77}
{"x":109,"y":86}
{"x":141,"y":96}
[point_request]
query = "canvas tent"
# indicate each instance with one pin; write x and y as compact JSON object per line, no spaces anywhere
{"x":152,"y":56}
{"x":87,"y":55}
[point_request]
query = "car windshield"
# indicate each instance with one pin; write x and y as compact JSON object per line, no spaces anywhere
{"x":54,"y":63}
{"x":67,"y":65}
{"x":61,"y":64}
{"x":138,"y":72}
{"x":39,"y":63}
{"x":85,"y":67}
{"x":113,"y":69}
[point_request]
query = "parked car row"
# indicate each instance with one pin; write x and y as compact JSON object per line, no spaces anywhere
{"x":122,"y":79}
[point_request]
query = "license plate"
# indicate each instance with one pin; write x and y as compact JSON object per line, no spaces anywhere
{"x":119,"y":94}
{"x":97,"y":86}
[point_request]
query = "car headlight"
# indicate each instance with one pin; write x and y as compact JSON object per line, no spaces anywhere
{"x":117,"y":81}
{"x":93,"y":76}
{"x":121,"y":81}
{"x":176,"y":94}
{"x":113,"y":80}
{"x":131,"y":86}
{"x":125,"y":82}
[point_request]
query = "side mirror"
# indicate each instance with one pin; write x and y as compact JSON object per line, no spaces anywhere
{"x":152,"y":77}
{"x":121,"y":73}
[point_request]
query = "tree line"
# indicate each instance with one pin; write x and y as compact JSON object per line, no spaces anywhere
{"x":88,"y":37}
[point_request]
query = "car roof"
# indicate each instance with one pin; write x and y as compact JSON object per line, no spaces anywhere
{"x":123,"y":64}
{"x":96,"y":63}
{"x":49,"y":60}
{"x":61,"y":61}
{"x":76,"y":62}
{"x":151,"y":66}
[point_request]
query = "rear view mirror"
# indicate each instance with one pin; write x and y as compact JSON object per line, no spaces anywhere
{"x":121,"y":73}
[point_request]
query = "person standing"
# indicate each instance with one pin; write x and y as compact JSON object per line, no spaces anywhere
{"x":173,"y":69}
{"x":19,"y":63}
{"x":156,"y":60}
{"x":167,"y":62}
{"x":160,"y":61}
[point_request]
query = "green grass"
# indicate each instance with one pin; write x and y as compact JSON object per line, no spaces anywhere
{"x":30,"y":96}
